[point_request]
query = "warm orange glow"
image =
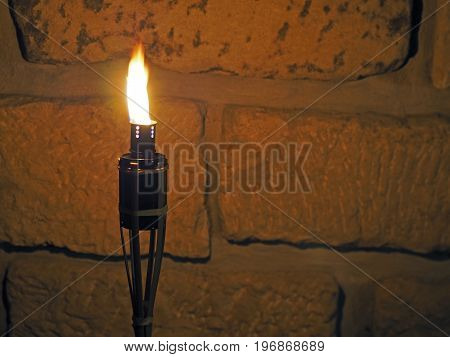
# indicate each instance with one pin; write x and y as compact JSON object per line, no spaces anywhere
{"x":137,"y":96}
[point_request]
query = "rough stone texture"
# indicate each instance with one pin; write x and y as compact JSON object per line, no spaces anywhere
{"x":429,"y":296}
{"x":45,"y":301}
{"x":3,"y":308}
{"x":441,"y":52}
{"x":320,"y":39}
{"x":251,"y":304}
{"x":191,"y":301}
{"x":59,"y":179}
{"x":376,"y":181}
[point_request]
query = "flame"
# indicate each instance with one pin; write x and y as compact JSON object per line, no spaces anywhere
{"x":137,"y":96}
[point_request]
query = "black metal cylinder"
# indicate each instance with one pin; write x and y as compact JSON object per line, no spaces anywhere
{"x":142,"y":139}
{"x":143,"y":180}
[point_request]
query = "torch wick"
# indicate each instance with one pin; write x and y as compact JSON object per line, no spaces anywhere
{"x":142,"y":140}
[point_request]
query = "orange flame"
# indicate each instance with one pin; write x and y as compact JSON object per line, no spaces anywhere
{"x":137,"y":96}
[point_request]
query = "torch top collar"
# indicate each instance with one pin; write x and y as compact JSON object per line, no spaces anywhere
{"x":156,"y":161}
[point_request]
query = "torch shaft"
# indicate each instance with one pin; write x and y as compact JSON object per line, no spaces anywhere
{"x":151,"y":251}
{"x":158,"y":260}
{"x":127,"y":268}
{"x":137,"y":280}
{"x":136,"y":254}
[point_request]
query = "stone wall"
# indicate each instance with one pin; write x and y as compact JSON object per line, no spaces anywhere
{"x":320,"y":39}
{"x":370,"y":98}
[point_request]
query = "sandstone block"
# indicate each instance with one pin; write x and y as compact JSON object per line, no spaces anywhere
{"x":441,"y":50}
{"x":375,"y":181}
{"x":3,"y":312}
{"x":59,"y":179}
{"x":428,"y":296}
{"x":250,"y":303}
{"x":67,"y":297}
{"x":320,"y":39}
{"x":191,"y":301}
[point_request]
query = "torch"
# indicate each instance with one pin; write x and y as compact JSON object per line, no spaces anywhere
{"x":142,"y":198}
